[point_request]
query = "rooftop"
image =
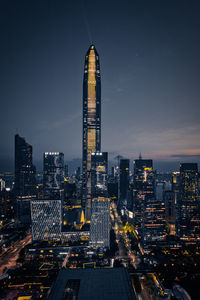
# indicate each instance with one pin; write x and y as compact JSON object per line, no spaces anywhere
{"x":92,"y":284}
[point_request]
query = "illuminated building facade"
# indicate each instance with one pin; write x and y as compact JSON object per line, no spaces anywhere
{"x":53,"y":175}
{"x":144,"y":189}
{"x":91,"y":122}
{"x":99,"y":174}
{"x":153,"y":222}
{"x":123,"y":182}
{"x":25,"y":183}
{"x":100,"y":223}
{"x":189,"y":205}
{"x":46,"y":219}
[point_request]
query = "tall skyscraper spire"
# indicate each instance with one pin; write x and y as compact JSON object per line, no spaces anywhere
{"x":91,"y":121}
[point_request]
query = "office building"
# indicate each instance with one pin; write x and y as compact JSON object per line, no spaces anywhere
{"x":99,"y":174}
{"x":189,"y":231}
{"x":170,"y":211}
{"x":25,"y":183}
{"x":153,"y":222}
{"x":123,"y":183}
{"x":176,"y":191}
{"x":91,"y":122}
{"x":66,"y":171}
{"x":46,"y":219}
{"x":100,"y":223}
{"x":144,"y":190}
{"x":53,"y":175}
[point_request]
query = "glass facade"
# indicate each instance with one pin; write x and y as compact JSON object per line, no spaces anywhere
{"x":100,"y":223}
{"x":144,"y":191}
{"x":46,"y":219}
{"x":53,"y":178}
{"x":91,"y":122}
{"x":189,"y":206}
{"x":99,"y":174}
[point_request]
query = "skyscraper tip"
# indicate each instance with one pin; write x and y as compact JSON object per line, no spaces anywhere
{"x":92,"y":46}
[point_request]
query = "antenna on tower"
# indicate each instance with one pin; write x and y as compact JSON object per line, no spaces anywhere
{"x":140,"y":155}
{"x":87,"y":25}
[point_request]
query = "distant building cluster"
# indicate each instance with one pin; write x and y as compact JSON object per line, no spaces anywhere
{"x":163,"y":208}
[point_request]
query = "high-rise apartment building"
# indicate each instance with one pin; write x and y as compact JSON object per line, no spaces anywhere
{"x":100,"y":223}
{"x":53,"y":175}
{"x":91,"y":121}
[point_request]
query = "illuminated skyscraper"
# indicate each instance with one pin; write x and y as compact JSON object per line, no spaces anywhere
{"x":91,"y":122}
{"x":189,"y":204}
{"x":144,"y":189}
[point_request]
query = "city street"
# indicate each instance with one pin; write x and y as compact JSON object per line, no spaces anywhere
{"x":8,"y":259}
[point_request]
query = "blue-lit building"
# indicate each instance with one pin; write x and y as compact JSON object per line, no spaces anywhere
{"x":100,"y":223}
{"x":99,"y":174}
{"x":46,"y":219}
{"x":53,"y":175}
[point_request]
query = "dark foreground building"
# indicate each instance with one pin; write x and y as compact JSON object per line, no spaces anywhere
{"x":92,"y":284}
{"x":25,"y":182}
{"x":24,"y":168}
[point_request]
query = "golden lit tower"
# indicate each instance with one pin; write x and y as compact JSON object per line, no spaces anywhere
{"x":91,"y":122}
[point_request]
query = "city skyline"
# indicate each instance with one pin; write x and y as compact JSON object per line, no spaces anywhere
{"x":123,"y":221}
{"x":149,"y":79}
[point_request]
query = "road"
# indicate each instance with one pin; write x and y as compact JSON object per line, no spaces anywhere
{"x":124,"y":243}
{"x":66,"y":258}
{"x":9,"y":257}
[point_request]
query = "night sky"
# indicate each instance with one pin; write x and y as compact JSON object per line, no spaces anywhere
{"x":150,"y":69}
